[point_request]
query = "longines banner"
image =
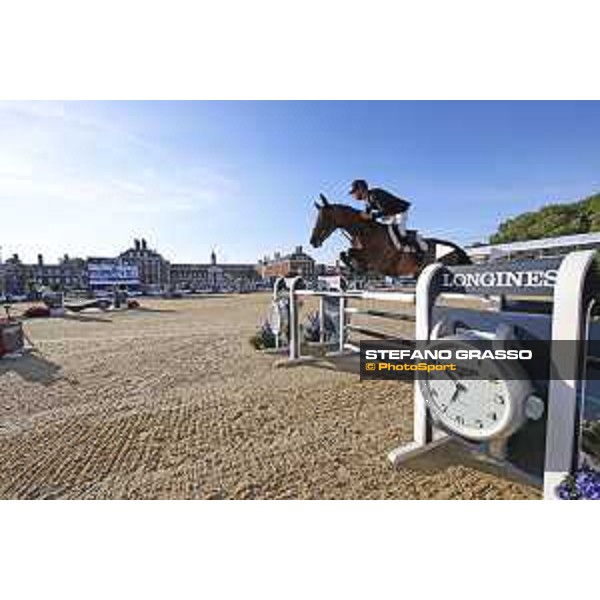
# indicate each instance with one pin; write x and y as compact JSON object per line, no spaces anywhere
{"x":518,"y":277}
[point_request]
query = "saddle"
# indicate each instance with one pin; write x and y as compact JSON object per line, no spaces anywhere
{"x":410,"y":243}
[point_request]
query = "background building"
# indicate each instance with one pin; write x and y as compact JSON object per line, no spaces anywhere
{"x":68,"y":274}
{"x":296,"y":263}
{"x":213,"y":276}
{"x":154,"y":271}
{"x":140,"y":268}
{"x":15,"y":276}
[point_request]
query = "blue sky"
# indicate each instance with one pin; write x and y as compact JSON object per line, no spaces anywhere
{"x":85,"y":178}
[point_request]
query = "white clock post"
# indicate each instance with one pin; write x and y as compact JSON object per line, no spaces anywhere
{"x":567,"y":285}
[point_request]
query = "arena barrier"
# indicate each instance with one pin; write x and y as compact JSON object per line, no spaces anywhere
{"x":548,"y":299}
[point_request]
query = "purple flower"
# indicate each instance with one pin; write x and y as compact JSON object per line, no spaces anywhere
{"x":584,"y":484}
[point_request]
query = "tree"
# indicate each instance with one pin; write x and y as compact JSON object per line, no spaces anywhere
{"x":552,"y":220}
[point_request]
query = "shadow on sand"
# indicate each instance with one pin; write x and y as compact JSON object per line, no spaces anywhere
{"x":347,"y":363}
{"x":145,"y":309}
{"x":455,"y":453}
{"x":83,"y":318}
{"x":210,"y":296}
{"x":33,"y":367}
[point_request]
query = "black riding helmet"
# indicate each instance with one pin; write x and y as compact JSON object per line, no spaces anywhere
{"x":358,"y":184}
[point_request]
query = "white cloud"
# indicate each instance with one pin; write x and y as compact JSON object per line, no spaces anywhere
{"x":34,"y":108}
{"x":67,"y":175}
{"x":52,"y":154}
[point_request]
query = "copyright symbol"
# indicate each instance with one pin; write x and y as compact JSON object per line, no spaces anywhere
{"x":370,"y":366}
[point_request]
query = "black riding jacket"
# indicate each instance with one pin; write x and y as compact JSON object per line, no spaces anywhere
{"x":384,"y":204}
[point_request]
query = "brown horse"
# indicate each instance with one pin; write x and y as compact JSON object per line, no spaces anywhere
{"x":372,"y":250}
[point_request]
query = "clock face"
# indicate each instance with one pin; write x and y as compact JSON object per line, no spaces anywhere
{"x":474,"y":408}
{"x":480,"y":407}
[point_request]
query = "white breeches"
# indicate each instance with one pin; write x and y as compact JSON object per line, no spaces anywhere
{"x":399,"y":220}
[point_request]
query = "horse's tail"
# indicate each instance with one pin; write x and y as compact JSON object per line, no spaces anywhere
{"x":461,"y":256}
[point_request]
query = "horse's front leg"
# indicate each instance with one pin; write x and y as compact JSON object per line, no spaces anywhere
{"x":346,"y":260}
{"x":354,"y":259}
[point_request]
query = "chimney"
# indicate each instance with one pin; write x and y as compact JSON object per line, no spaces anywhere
{"x":40,"y":261}
{"x":136,"y":243}
{"x":144,"y":245}
{"x":298,"y":249}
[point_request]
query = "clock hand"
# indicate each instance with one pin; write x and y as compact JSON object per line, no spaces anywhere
{"x":454,"y":398}
{"x":454,"y":377}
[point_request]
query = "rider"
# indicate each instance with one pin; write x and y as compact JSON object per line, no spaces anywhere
{"x":386,"y":207}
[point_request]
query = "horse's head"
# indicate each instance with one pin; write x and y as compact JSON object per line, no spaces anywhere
{"x":326,"y":223}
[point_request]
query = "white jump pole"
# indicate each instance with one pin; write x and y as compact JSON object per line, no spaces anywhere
{"x":342,"y":325}
{"x":279,"y":284}
{"x":294,"y":318}
{"x":422,"y":429}
{"x":322,"y":319}
{"x":568,"y":323}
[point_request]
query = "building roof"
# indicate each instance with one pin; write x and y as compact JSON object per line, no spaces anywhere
{"x":298,"y":254}
{"x":565,"y":241}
